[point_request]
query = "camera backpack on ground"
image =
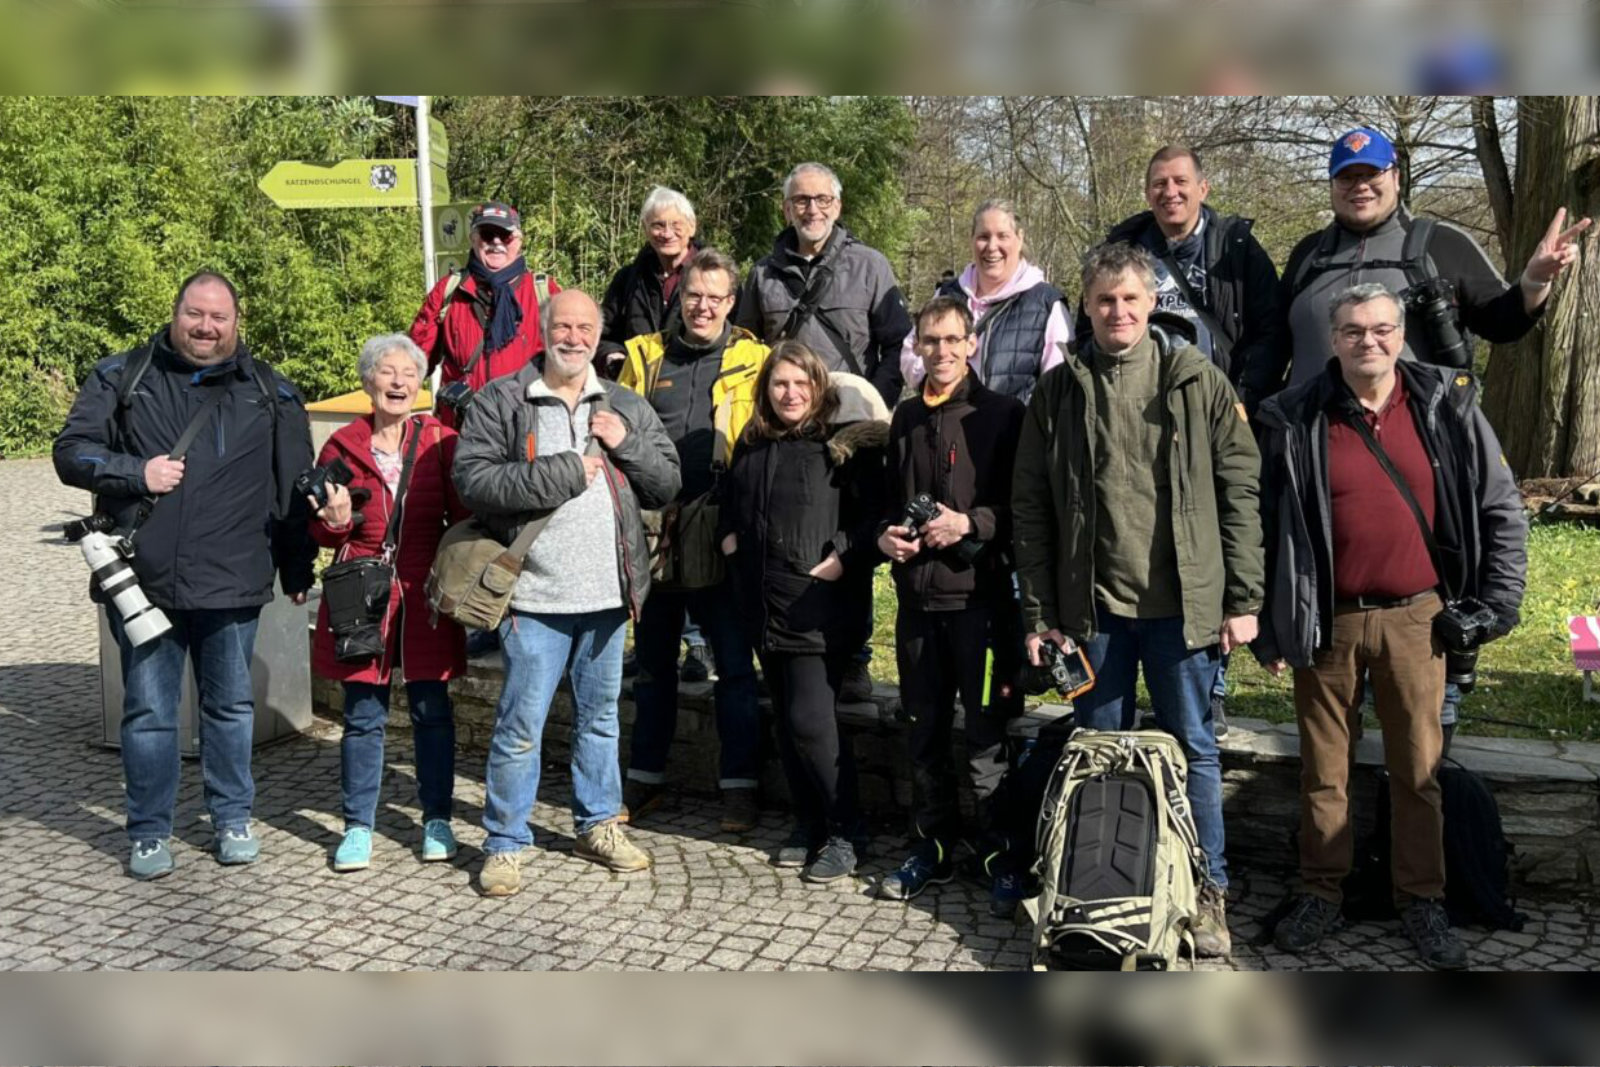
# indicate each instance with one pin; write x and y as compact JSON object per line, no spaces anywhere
{"x":1477,"y":857}
{"x":1119,"y":856}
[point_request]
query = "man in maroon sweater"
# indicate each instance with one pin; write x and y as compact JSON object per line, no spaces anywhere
{"x":1354,"y":586}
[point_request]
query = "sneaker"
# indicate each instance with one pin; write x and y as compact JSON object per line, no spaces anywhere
{"x":856,"y":685}
{"x":1219,"y":716}
{"x":835,"y":860}
{"x":638,"y":798}
{"x":696,"y":664}
{"x":607,"y":845}
{"x":150,"y":859}
{"x":1437,"y":944}
{"x":501,"y":875}
{"x":355,"y":851}
{"x":237,"y":845}
{"x":927,"y":865}
{"x":798,"y":849}
{"x":438,"y":841}
{"x":1005,"y":894}
{"x":739,"y":810}
{"x":1211,"y":937}
{"x":1309,"y":920}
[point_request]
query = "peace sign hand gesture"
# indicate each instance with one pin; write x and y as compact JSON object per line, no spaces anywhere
{"x":1557,"y":250}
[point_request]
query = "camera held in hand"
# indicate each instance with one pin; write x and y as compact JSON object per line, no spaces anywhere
{"x":315,"y":482}
{"x":107,"y":554}
{"x":1462,"y":628}
{"x":1434,"y":302}
{"x":923,"y":509}
{"x":1068,"y":673}
{"x":456,"y":396}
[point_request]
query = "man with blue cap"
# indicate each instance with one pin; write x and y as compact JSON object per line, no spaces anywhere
{"x":1450,"y":288}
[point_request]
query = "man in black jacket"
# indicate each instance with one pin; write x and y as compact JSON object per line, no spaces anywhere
{"x":955,"y":443}
{"x":210,"y":527}
{"x":1384,"y":493}
{"x":1211,"y":270}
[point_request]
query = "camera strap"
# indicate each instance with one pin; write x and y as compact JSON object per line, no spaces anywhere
{"x":1359,"y":425}
{"x":391,"y":533}
{"x":197,"y":422}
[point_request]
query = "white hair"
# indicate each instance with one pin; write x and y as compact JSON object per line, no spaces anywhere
{"x":660,"y":198}
{"x":376,"y":348}
{"x":811,"y":168}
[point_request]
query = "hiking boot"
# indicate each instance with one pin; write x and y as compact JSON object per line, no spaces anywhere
{"x":1211,"y":937}
{"x":639,"y":798}
{"x":150,"y":859}
{"x":1005,"y":894}
{"x":355,"y":851}
{"x":237,"y":845}
{"x":501,"y":875}
{"x":1309,"y":920}
{"x":927,"y":865}
{"x":607,"y":845}
{"x":438,"y":841}
{"x":696,"y":664}
{"x":835,"y":860}
{"x":1219,"y":716}
{"x":1437,"y":944}
{"x":798,"y":849}
{"x":856,"y":685}
{"x":739,"y":810}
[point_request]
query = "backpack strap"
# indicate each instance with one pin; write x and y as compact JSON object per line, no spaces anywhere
{"x":805,"y":307}
{"x":518,"y":549}
{"x":1414,"y":253}
{"x":132,"y":371}
{"x":1413,"y":259}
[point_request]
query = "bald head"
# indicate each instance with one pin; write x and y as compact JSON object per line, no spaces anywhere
{"x":570,"y":323}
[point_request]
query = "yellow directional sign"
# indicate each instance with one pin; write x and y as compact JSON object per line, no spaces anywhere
{"x":438,"y":143}
{"x":348,"y":183}
{"x":441,"y":183}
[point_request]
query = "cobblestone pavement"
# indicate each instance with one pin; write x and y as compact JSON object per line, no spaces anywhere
{"x":711,"y":902}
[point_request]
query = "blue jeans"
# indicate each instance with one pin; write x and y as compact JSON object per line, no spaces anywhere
{"x":538,"y":650}
{"x":1219,"y":687}
{"x":655,"y":693}
{"x":433,"y":728}
{"x":1179,"y":680}
{"x":219,"y":642}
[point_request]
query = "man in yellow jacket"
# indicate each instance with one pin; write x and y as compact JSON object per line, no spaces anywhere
{"x":700,"y":378}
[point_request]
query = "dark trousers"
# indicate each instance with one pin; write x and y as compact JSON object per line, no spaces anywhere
{"x":941,"y":656}
{"x":818,"y":759}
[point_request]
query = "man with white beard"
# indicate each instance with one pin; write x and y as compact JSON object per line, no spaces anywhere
{"x":555,"y":439}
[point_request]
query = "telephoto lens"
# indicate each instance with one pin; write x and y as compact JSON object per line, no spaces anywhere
{"x":108,"y":563}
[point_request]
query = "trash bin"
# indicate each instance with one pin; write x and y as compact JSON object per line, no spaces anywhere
{"x":280,"y":670}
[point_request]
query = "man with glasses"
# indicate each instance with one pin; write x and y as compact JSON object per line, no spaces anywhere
{"x":700,"y":377}
{"x":838,"y":296}
{"x":482,"y":322}
{"x":1353,"y":586}
{"x":1373,"y":238}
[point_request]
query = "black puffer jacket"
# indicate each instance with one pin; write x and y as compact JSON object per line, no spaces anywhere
{"x":792,"y":502}
{"x":215,"y":540}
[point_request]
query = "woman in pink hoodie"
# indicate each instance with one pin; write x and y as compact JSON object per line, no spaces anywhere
{"x":1022,"y":321}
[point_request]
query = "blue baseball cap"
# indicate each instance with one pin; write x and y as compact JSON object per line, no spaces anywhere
{"x":1361,"y":145}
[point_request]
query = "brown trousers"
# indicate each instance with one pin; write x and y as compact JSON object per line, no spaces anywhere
{"x":1395,"y":649}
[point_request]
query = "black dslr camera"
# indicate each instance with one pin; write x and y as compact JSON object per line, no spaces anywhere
{"x":1434,"y":302}
{"x":921,"y":510}
{"x":456,"y":397}
{"x":1068,"y":673}
{"x":1462,"y":628}
{"x":314,"y":483}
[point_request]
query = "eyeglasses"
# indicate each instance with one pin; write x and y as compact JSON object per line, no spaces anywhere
{"x":708,"y":299}
{"x":668,"y":227}
{"x":1354,"y":335}
{"x":1347,"y":180}
{"x":933,"y":344}
{"x":823,"y":201}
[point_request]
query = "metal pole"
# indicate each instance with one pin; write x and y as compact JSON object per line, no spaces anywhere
{"x":425,"y":209}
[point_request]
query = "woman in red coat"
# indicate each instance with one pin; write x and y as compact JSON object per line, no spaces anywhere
{"x":428,"y":651}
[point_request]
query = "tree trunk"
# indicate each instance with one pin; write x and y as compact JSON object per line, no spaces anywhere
{"x":1543,"y":393}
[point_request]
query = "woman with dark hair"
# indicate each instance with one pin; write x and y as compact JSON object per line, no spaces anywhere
{"x":801,"y":502}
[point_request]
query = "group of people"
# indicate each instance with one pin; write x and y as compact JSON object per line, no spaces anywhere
{"x":1200,"y":456}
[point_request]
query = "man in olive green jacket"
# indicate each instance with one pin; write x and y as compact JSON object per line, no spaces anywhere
{"x":1138,"y":531}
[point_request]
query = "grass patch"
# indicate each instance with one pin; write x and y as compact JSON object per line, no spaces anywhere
{"x":1526,"y":677}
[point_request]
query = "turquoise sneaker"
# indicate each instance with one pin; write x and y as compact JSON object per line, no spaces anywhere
{"x":150,"y":859}
{"x":355,"y":851}
{"x":438,"y":842}
{"x":237,"y":845}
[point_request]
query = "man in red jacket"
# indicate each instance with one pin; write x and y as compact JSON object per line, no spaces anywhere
{"x":482,"y":322}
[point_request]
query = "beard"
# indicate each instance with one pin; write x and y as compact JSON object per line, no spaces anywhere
{"x":570,"y":361}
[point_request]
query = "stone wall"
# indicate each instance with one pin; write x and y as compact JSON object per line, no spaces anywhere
{"x":1548,"y":792}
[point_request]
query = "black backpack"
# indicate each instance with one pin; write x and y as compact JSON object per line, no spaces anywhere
{"x":1477,"y":857}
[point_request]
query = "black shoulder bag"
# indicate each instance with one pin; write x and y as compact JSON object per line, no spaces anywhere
{"x":357,"y":591}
